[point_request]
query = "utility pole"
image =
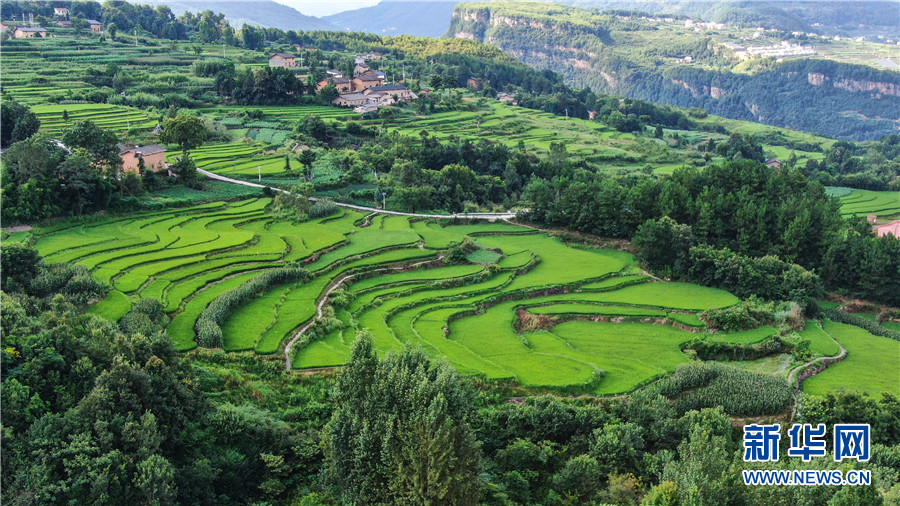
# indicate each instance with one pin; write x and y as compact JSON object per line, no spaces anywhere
{"x":384,"y":200}
{"x":259,"y":173}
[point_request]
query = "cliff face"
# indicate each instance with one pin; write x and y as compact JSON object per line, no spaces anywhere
{"x":602,"y":52}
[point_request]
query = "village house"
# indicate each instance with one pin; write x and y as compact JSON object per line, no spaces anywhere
{"x":425,"y":92}
{"x":360,"y":68}
{"x":506,"y":97}
{"x":154,"y":157}
{"x":402,"y":93}
{"x":365,"y":109}
{"x":282,"y":60}
{"x":60,"y":11}
{"x":892,"y":228}
{"x":592,"y":115}
{"x":94,"y":25}
{"x":367,"y":80}
{"x":341,"y":83}
{"x":373,"y":56}
{"x":773,"y":163}
{"x":26,"y":32}
{"x":474,"y":82}
{"x":64,"y":24}
{"x":351,"y":99}
{"x":333,"y":73}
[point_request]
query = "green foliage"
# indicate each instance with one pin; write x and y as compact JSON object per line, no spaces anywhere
{"x":401,"y":430}
{"x":100,"y":143}
{"x":19,"y":264}
{"x":17,"y":123}
{"x":185,"y":130}
{"x":702,"y":385}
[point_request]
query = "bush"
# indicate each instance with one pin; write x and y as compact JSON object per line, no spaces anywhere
{"x":322,"y":208}
{"x":741,"y":393}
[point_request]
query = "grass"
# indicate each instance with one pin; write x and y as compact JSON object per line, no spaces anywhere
{"x":462,"y":313}
{"x":870,"y":366}
{"x":865,"y":202}
{"x":483,"y":256}
{"x":113,"y":307}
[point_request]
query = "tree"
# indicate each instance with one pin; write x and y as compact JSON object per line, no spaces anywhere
{"x":287,"y":163}
{"x":18,"y":266}
{"x":662,"y":245}
{"x":65,"y":116}
{"x":313,"y":126}
{"x":328,"y":93}
{"x":155,"y":480}
{"x":401,"y":431}
{"x":100,"y":143}
{"x":78,"y":25}
{"x":185,"y":130}
{"x":17,"y":123}
{"x":187,"y":172}
{"x":112,"y":30}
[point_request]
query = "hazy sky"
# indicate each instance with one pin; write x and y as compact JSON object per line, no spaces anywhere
{"x":319,"y":8}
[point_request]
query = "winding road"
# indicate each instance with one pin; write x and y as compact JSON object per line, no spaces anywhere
{"x":472,"y":216}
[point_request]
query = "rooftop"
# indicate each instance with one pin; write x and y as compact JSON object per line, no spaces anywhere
{"x":388,"y":87}
{"x":150,"y":149}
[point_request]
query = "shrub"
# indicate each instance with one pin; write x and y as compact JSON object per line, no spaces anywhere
{"x":741,"y":393}
{"x":322,"y":208}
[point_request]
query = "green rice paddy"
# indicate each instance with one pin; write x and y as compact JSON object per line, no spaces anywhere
{"x":397,"y":286}
{"x":870,"y":366}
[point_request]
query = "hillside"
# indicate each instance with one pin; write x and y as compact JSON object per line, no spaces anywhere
{"x":845,"y":18}
{"x":424,"y":19}
{"x":265,"y":13}
{"x":672,"y":61}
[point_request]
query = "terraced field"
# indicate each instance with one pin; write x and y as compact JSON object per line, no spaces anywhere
{"x":111,"y":117}
{"x":522,"y":307}
{"x":510,"y":124}
{"x":865,"y":202}
{"x":234,"y":158}
{"x":870,"y":366}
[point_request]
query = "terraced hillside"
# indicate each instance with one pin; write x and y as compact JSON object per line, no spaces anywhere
{"x":498,"y":300}
{"x":865,"y":202}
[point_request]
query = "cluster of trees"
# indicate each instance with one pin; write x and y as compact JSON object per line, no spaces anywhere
{"x":41,"y":179}
{"x":670,"y":249}
{"x":869,"y":166}
{"x":741,"y":206}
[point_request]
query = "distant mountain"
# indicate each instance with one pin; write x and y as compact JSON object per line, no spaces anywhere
{"x":424,"y":19}
{"x":266,"y":13}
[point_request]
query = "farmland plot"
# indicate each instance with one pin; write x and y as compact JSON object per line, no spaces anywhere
{"x":610,"y":330}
